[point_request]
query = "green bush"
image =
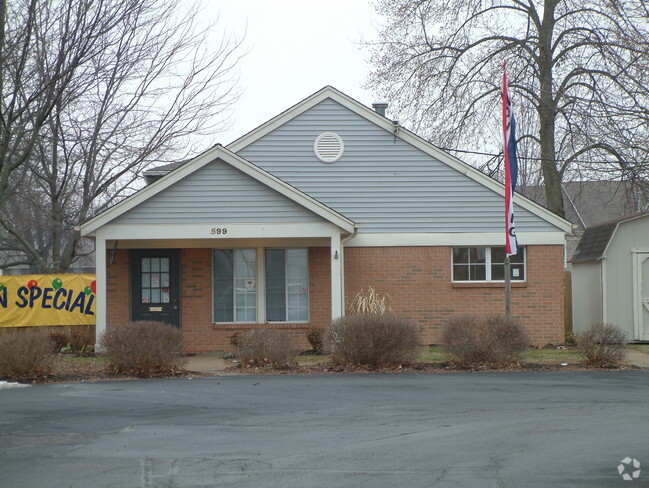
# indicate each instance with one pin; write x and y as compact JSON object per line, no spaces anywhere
{"x":26,"y":355}
{"x":603,"y":345}
{"x":266,"y":348}
{"x":314,"y":335}
{"x":143,"y":348}
{"x":479,"y":342}
{"x":372,"y":339}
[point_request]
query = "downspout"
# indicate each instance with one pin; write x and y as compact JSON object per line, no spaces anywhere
{"x":342,"y":264}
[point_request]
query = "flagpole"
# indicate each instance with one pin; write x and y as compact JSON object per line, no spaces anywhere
{"x":510,"y":162}
{"x":508,"y":288}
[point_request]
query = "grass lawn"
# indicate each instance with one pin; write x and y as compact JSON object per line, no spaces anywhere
{"x":643,"y":348}
{"x":436,"y":354}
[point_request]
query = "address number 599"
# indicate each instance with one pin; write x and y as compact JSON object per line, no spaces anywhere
{"x":219,"y":231}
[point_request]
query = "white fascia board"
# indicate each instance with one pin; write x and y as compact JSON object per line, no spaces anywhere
{"x":407,"y":136}
{"x":610,"y":239}
{"x":473,"y":239}
{"x":218,"y":152}
{"x":215,"y":231}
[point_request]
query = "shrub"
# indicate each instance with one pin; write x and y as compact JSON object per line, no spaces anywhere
{"x":373,"y":339}
{"x":571,"y":339}
{"x":266,"y":347}
{"x":479,"y":342}
{"x":369,"y":301}
{"x":314,"y":336}
{"x":144,"y":348}
{"x":82,"y":340}
{"x":603,"y":345}
{"x":234,"y":338}
{"x":26,"y":355}
{"x":59,"y":340}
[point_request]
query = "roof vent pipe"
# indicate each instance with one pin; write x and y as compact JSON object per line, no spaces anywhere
{"x":379,"y":107}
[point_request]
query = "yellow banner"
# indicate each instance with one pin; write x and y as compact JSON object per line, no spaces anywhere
{"x":31,"y":300}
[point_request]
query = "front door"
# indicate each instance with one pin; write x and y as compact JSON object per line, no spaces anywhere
{"x":156,"y":285}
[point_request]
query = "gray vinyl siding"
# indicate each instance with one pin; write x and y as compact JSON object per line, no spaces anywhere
{"x":381,"y":182}
{"x":587,"y":305}
{"x":217,"y":192}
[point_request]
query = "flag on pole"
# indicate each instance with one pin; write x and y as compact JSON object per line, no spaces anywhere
{"x":511,"y":167}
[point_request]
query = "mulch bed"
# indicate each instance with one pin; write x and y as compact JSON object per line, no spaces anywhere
{"x":437,"y":367}
{"x":71,"y":372}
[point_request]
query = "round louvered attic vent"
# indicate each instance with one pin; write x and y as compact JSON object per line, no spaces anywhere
{"x":328,"y":147}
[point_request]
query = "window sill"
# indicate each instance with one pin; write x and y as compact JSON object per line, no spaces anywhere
{"x":255,"y":325}
{"x":489,"y":284}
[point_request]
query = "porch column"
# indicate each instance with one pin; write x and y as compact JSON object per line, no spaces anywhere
{"x":100,"y":298}
{"x":336,"y":278}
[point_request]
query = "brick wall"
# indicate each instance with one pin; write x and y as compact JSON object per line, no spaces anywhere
{"x":418,"y":280}
{"x":118,"y":289}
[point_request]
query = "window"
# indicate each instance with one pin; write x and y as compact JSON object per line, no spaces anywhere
{"x":235,"y":285}
{"x":286,"y":290}
{"x":486,"y":264}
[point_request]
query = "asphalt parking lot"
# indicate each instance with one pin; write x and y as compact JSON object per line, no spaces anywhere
{"x":426,"y":430}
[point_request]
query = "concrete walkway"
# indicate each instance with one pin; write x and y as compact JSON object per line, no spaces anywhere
{"x":213,"y":363}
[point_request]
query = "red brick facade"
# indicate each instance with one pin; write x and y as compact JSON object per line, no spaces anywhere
{"x":418,"y":280}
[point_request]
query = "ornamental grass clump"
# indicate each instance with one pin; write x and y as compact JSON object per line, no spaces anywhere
{"x":269,"y":348}
{"x":144,"y":348}
{"x":369,"y":301}
{"x":373,"y":339}
{"x":26,"y":355}
{"x":603,"y":345}
{"x":484,"y":342}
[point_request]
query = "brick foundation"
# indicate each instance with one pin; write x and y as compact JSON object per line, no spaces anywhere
{"x":418,"y":280}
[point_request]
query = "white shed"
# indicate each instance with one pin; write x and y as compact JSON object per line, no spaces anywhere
{"x":610,"y":281}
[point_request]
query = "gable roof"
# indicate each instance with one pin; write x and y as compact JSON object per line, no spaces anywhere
{"x":592,"y":202}
{"x":225,"y":155}
{"x":329,"y":92}
{"x":595,"y":240}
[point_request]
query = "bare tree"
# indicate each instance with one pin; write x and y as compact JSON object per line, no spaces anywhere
{"x":578,"y":69}
{"x":151,"y":83}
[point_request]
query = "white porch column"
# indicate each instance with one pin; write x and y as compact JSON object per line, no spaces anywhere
{"x":100,"y":298}
{"x":336,"y":278}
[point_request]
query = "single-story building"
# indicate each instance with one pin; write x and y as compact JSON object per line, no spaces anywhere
{"x":610,"y":276}
{"x":288,"y":223}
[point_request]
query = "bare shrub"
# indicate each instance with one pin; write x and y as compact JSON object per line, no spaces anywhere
{"x":479,"y":342}
{"x":144,"y":348}
{"x":369,"y":301}
{"x":373,"y":339}
{"x":82,"y":340}
{"x":59,"y":340}
{"x":315,"y":335}
{"x":26,"y":355}
{"x":266,"y":348}
{"x":603,"y":345}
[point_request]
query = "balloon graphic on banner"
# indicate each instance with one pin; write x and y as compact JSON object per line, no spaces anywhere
{"x":57,"y":283}
{"x":2,"y":286}
{"x":32,"y":284}
{"x":93,"y":287}
{"x":87,"y":290}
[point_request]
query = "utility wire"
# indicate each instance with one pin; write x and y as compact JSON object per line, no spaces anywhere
{"x":529,"y":158}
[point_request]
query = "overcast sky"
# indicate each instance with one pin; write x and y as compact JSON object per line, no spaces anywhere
{"x":295,"y":48}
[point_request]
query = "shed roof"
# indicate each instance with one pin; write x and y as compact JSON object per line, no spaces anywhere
{"x":595,"y":240}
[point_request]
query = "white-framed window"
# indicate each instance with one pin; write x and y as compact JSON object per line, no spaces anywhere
{"x":260,"y":285}
{"x":234,"y":285}
{"x":485,"y":264}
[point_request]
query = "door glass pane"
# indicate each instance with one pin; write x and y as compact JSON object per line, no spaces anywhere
{"x":146,"y":265}
{"x":164,"y":264}
{"x":155,"y":264}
